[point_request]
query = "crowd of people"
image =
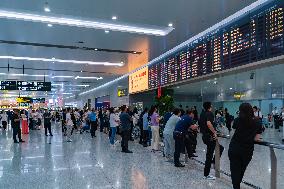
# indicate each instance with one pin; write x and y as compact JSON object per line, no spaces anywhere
{"x":173,"y":133}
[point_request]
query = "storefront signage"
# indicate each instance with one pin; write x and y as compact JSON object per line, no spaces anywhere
{"x":122,"y":92}
{"x":138,"y":81}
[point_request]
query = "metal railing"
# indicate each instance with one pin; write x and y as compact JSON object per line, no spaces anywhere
{"x":273,"y":161}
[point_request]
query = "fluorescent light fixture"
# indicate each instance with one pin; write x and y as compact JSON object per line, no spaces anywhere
{"x":243,"y":12}
{"x":97,"y":78}
{"x":61,"y":60}
{"x":106,"y":31}
{"x":62,"y":76}
{"x":93,"y":24}
{"x":46,"y":7}
{"x":56,"y":84}
{"x":114,"y":18}
{"x":49,"y":25}
{"x":77,"y":85}
{"x":66,"y":93}
{"x":170,"y":24}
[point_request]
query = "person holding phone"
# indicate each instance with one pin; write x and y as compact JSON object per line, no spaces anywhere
{"x":15,"y":122}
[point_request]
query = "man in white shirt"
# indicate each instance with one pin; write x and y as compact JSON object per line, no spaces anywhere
{"x":69,"y":125}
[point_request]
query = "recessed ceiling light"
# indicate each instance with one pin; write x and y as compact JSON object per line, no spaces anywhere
{"x":49,"y":25}
{"x":61,"y":60}
{"x":170,"y":24}
{"x":77,"y":22}
{"x":96,"y":49}
{"x":231,"y":88}
{"x":106,"y":31}
{"x":269,"y":83}
{"x":81,"y":71}
{"x":134,"y":52}
{"x":46,"y":7}
{"x":114,"y":18}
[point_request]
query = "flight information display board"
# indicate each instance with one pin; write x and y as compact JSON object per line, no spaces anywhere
{"x":33,"y":86}
{"x":255,"y":37}
{"x":8,"y":85}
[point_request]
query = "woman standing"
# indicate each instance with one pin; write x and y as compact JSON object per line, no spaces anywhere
{"x":114,"y":122}
{"x":25,"y":128}
{"x":69,"y":125}
{"x":4,"y":118}
{"x":248,"y":130}
{"x":155,"y":119}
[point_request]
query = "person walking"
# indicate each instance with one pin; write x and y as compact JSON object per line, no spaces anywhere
{"x":114,"y":122}
{"x":93,"y":122}
{"x":248,"y":130}
{"x":209,"y":137}
{"x":155,"y":119}
{"x":47,"y":122}
{"x":69,"y":125}
{"x":125,"y":121}
{"x":168,"y":133}
{"x":15,"y":122}
{"x":4,"y":119}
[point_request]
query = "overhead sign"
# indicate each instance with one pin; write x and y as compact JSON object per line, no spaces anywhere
{"x":122,"y":92}
{"x":8,"y":85}
{"x":138,"y":81}
{"x":24,"y":100}
{"x":33,"y":86}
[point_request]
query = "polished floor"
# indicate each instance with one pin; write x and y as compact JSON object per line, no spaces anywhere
{"x":50,"y":162}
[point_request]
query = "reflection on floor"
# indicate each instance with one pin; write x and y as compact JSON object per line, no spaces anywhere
{"x":45,"y":162}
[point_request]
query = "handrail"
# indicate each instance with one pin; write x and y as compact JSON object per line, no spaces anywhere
{"x":270,"y":144}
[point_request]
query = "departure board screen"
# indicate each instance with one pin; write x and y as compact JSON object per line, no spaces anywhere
{"x":8,"y":85}
{"x":254,"y":37}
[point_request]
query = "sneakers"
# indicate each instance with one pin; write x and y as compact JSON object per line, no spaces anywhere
{"x":179,"y":165}
{"x":209,"y":177}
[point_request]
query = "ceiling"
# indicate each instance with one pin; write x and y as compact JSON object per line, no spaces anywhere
{"x":188,"y":18}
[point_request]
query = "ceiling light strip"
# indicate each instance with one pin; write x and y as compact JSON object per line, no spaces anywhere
{"x":85,"y":23}
{"x":226,"y":21}
{"x":61,"y":60}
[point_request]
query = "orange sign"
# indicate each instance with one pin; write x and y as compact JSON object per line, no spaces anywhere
{"x":138,"y":81}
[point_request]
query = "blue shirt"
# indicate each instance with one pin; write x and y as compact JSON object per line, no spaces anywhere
{"x":92,"y":116}
{"x":184,"y":124}
{"x":145,"y":121}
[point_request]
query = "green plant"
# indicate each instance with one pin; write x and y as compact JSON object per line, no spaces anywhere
{"x":165,"y":102}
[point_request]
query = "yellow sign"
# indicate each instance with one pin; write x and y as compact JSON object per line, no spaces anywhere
{"x":138,"y":81}
{"x":121,"y":92}
{"x":238,"y":96}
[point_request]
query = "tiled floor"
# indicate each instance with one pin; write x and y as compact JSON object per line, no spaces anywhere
{"x":92,"y":163}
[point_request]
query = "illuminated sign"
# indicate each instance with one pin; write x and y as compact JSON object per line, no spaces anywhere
{"x":138,"y":81}
{"x":8,"y":85}
{"x":238,"y":96}
{"x":122,"y":92}
{"x":24,"y":100}
{"x":33,"y":86}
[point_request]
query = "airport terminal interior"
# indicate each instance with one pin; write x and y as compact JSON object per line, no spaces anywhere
{"x":123,"y":94}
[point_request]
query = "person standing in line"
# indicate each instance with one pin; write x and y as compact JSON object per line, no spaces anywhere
{"x":155,"y":119}
{"x":248,"y":130}
{"x":182,"y":136}
{"x":69,"y":125}
{"x":145,"y":127}
{"x":47,"y":122}
{"x":4,"y":119}
{"x":209,"y":137}
{"x":168,"y":133}
{"x":15,"y":122}
{"x":93,"y":122}
{"x":114,"y":122}
{"x":125,"y":121}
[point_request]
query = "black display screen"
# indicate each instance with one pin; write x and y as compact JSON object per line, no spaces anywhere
{"x":8,"y":85}
{"x":254,"y":37}
{"x":33,"y":86}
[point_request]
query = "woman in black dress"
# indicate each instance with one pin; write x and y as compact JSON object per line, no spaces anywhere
{"x":248,"y":130}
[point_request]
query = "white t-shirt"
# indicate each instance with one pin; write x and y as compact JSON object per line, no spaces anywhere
{"x":68,"y":119}
{"x":4,"y":117}
{"x":113,"y":120}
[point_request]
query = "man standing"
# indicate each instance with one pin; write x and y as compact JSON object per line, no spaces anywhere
{"x":182,"y":136}
{"x":93,"y":120}
{"x":15,"y":122}
{"x":125,"y":121}
{"x":47,"y":122}
{"x":209,"y":137}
